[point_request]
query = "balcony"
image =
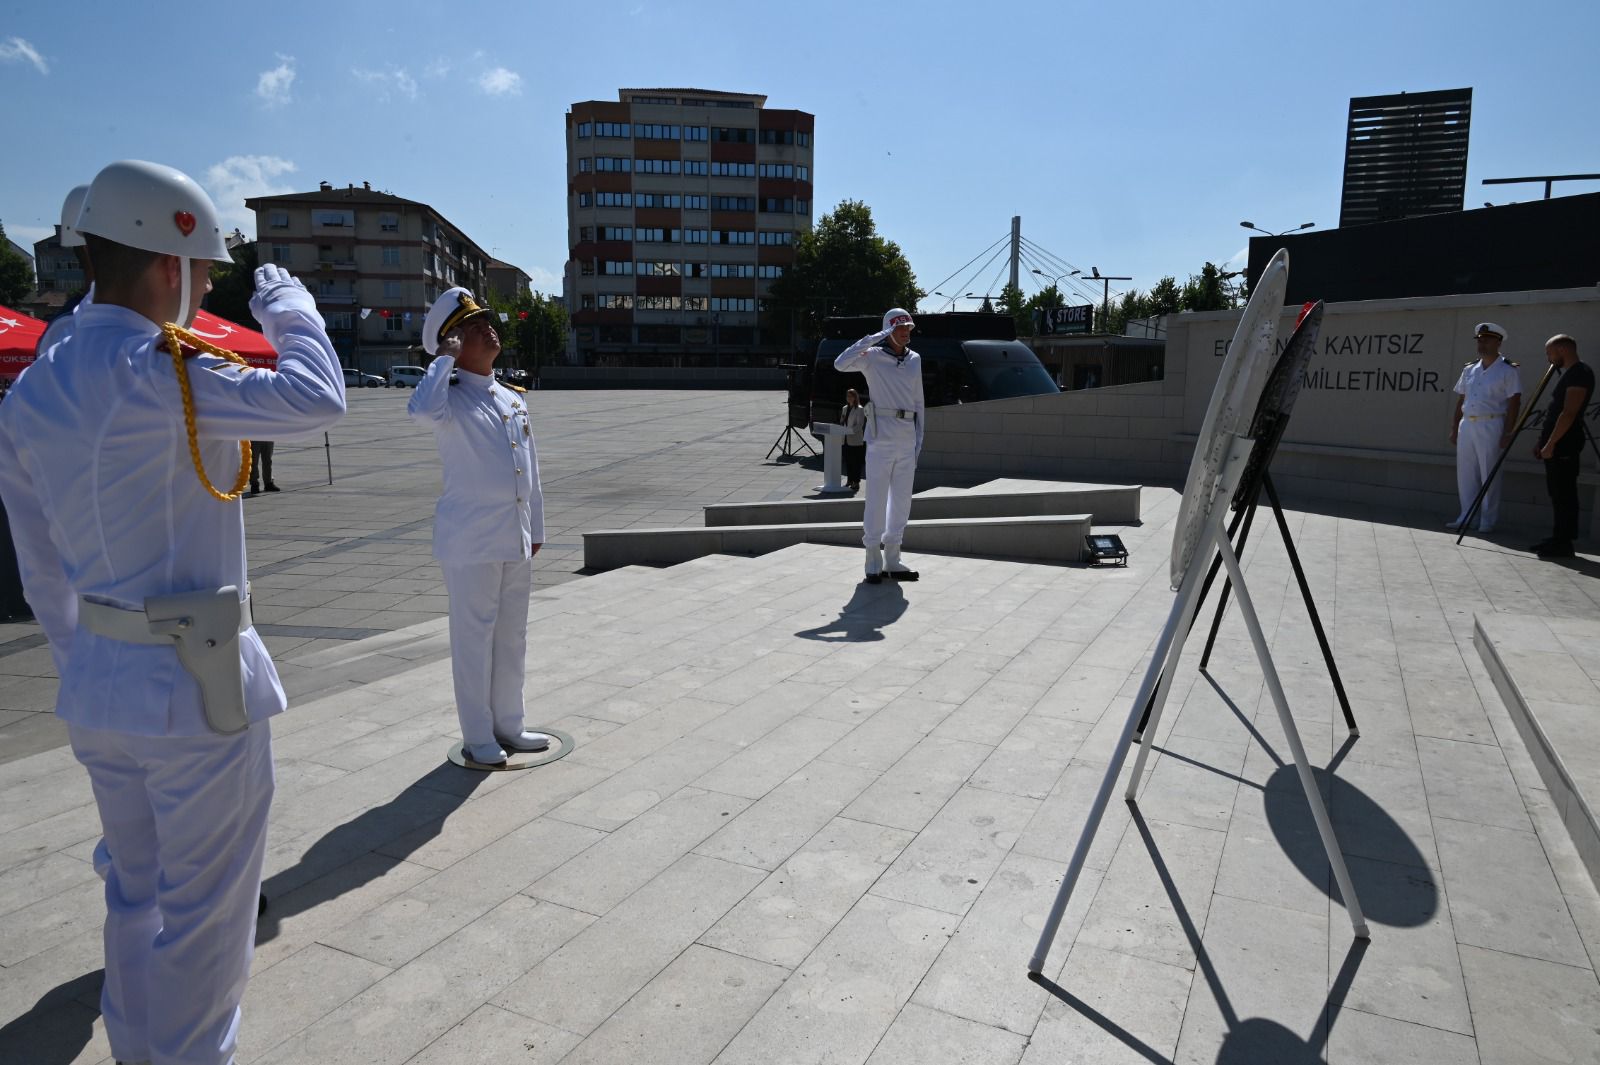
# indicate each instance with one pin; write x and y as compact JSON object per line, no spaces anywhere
{"x":335,"y":298}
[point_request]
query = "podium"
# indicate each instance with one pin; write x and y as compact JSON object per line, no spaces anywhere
{"x":832,"y":456}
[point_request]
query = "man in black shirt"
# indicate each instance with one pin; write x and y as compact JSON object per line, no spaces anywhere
{"x":1561,"y":442}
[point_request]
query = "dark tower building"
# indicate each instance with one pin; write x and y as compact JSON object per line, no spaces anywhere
{"x":1405,"y":155}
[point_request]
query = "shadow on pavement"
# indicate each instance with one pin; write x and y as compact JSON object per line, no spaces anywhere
{"x":871,"y":609}
{"x":57,"y":1027}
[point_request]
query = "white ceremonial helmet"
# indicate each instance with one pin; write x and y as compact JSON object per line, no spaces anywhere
{"x":69,"y":217}
{"x":453,"y":309}
{"x":896,"y":317}
{"x":157,"y":209}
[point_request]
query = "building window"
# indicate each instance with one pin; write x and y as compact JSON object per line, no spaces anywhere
{"x":391,"y":290}
{"x":616,"y":301}
{"x":657,"y":303}
{"x":696,"y":270}
{"x":776,"y":170}
{"x":334,"y":219}
{"x":802,"y":207}
{"x":616,"y":268}
{"x":732,"y":236}
{"x":653,"y":235}
{"x":585,"y":233}
{"x":731,"y":303}
{"x":340,"y":320}
{"x":611,"y":164}
{"x":280,"y":253}
{"x":657,"y":268}
{"x":654,"y":131}
{"x":585,"y":129}
{"x":587,"y":303}
{"x":733,"y":270}
{"x":657,"y":166}
{"x":391,"y":256}
{"x":694,"y":203}
{"x":656,"y":199}
{"x":802,"y":173}
{"x":694,"y":236}
{"x":612,"y":129}
{"x":775,"y":236}
{"x":394,"y":323}
{"x":583,"y":199}
{"x":729,"y":135}
{"x":803,"y":139}
{"x":585,"y":164}
{"x":768,"y":272}
{"x":614,"y":232}
{"x":389,"y":222}
{"x":613,"y":199}
{"x":586,"y":267}
{"x":694,"y":167}
{"x":733,"y":203}
{"x":278,"y":220}
{"x":694,"y":133}
{"x":778,"y":205}
{"x":777,"y":136}
{"x":694,"y":303}
{"x":733,"y":170}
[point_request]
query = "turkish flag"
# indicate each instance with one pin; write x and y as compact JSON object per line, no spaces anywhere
{"x":235,"y":338}
{"x":19,"y":338}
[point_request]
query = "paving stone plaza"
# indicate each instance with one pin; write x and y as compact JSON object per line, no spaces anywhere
{"x":812,"y":820}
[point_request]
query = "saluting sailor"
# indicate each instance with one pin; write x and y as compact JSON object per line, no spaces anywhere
{"x":896,"y":415}
{"x":134,"y":564}
{"x":1488,"y":397}
{"x":488,"y":525}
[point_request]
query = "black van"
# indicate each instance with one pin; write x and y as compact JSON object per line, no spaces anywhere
{"x":965,"y":358}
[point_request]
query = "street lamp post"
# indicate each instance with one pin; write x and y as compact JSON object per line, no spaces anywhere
{"x":1056,"y":281}
{"x":1105,"y":297}
{"x":1270,"y":233}
{"x":952,"y":299}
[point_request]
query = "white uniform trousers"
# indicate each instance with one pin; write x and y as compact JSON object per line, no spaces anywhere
{"x":488,"y":644}
{"x":1477,"y":447}
{"x":891,"y":469}
{"x":185,"y":823}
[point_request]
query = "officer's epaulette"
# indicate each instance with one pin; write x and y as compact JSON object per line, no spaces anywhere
{"x":1514,"y":365}
{"x":516,"y":388}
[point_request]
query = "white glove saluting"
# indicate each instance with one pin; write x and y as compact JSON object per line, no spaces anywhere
{"x":450,"y":345}
{"x":278,"y":290}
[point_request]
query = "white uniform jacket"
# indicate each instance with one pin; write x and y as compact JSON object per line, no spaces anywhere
{"x":61,"y":327}
{"x":893,"y":382}
{"x":1487,"y":391}
{"x":492,"y":508}
{"x":104,"y":502}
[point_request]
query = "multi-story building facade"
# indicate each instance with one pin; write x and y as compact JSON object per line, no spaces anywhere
{"x":358,"y":249}
{"x":57,"y":268}
{"x":683,"y":206}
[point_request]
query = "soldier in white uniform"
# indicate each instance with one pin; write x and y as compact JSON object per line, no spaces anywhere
{"x":61,"y":325}
{"x":488,"y":525}
{"x":136,"y":571}
{"x":896,"y":415}
{"x":1488,"y":397}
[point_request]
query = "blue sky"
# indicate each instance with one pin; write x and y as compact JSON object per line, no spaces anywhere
{"x":1133,"y":138}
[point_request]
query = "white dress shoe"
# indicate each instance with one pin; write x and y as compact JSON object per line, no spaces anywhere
{"x":527,"y":741}
{"x":486,"y":753}
{"x":874,"y":565}
{"x":892,"y":565}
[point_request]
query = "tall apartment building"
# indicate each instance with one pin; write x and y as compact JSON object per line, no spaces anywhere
{"x":683,"y":206}
{"x":359,"y":249}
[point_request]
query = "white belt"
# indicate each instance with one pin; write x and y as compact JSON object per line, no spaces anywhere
{"x":891,"y":412}
{"x":132,"y":625}
{"x":1482,"y":417}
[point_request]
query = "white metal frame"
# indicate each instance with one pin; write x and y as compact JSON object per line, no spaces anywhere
{"x":1163,"y":663}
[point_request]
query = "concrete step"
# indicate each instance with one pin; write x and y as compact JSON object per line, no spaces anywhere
{"x":1107,"y":504}
{"x":1033,"y":538}
{"x":1547,"y":670}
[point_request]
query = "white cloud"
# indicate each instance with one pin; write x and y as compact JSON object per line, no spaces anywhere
{"x":17,"y":50}
{"x":240,"y":177}
{"x":500,"y":82}
{"x":439,"y":68}
{"x":396,"y":81}
{"x":272,"y":88}
{"x":543,"y":280}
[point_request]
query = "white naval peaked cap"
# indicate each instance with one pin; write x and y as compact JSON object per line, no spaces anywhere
{"x":454,"y":307}
{"x":154,"y":208}
{"x":1489,"y":327}
{"x":70,"y":238}
{"x":897,"y":316}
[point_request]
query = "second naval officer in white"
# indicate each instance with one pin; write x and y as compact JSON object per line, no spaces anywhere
{"x":1488,"y":398}
{"x":488,"y":525}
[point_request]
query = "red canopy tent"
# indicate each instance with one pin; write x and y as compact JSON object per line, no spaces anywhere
{"x":20,"y":333}
{"x":19,"y":336}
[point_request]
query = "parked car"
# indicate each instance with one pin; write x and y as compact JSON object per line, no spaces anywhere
{"x":354,"y":378}
{"x":405,"y":376}
{"x":510,"y":375}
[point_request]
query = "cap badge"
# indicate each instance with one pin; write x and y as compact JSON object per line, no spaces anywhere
{"x":184,"y":221}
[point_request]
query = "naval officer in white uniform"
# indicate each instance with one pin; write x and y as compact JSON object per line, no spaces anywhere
{"x":488,"y":525}
{"x":136,"y":572}
{"x":896,"y":415}
{"x":1488,"y":398}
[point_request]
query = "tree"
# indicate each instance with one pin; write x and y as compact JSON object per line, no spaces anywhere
{"x":232,"y":284}
{"x":1130,"y":308}
{"x":16,"y":277}
{"x":843,"y":267}
{"x":534,"y":333}
{"x":1205,"y":292}
{"x":1164,"y":297}
{"x":1012,"y":303}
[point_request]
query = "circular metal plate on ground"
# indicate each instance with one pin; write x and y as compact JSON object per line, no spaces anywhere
{"x":519,"y":759}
